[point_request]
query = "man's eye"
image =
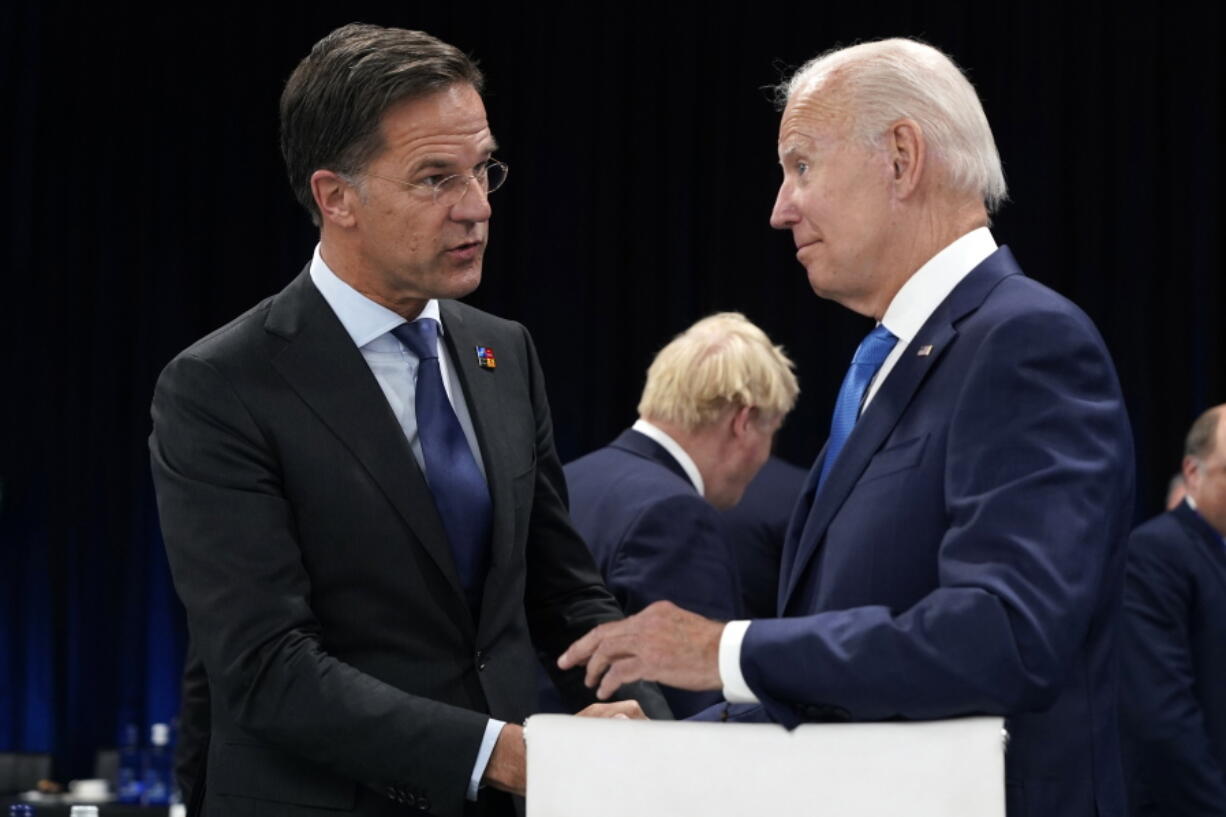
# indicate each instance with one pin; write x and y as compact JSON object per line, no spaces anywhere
{"x":801,"y":168}
{"x":434,"y":181}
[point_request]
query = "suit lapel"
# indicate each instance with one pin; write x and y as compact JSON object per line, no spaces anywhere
{"x":486,"y":409}
{"x":887,"y":407}
{"x":322,"y":364}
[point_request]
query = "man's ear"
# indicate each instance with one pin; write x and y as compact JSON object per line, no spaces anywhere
{"x":1191,"y":473}
{"x":335,"y":197}
{"x":908,"y":153}
{"x":741,"y":419}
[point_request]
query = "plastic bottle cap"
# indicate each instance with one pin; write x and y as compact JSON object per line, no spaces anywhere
{"x":160,"y":735}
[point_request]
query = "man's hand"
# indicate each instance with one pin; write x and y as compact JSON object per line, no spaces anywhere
{"x":624,"y":710}
{"x":508,"y":768}
{"x":662,"y":643}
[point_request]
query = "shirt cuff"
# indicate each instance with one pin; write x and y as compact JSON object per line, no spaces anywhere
{"x":736,"y":691}
{"x":493,"y":728}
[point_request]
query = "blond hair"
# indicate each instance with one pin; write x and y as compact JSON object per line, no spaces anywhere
{"x":720,"y":362}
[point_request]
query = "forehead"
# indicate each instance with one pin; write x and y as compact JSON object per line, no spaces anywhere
{"x":450,"y":120}
{"x":813,"y":117}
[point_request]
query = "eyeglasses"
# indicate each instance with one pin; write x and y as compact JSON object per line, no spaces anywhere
{"x":449,"y":190}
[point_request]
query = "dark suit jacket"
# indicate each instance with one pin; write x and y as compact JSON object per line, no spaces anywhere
{"x":965,"y":553}
{"x":653,"y":537}
{"x":755,"y":528}
{"x":1173,"y":696}
{"x":345,"y":668}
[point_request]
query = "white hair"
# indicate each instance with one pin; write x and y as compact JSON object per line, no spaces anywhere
{"x":888,"y":80}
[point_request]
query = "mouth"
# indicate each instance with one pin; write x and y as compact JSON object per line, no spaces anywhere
{"x":466,"y":251}
{"x":801,"y":246}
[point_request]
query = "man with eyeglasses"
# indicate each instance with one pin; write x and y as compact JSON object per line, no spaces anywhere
{"x":357,"y":482}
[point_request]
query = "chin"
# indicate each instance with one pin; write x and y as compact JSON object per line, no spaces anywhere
{"x":461,"y":282}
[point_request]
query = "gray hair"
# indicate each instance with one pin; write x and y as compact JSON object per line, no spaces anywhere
{"x":1203,"y":435}
{"x":887,"y":80}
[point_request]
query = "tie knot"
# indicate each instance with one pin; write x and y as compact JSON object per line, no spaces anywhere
{"x":421,"y":336}
{"x":875,"y":348}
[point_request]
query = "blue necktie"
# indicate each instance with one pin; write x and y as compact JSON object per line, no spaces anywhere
{"x":460,"y":491}
{"x":870,"y":354}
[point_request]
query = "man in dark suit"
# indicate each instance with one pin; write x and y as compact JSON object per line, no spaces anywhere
{"x":648,"y":504}
{"x":1173,"y":641}
{"x":958,"y":545}
{"x":357,"y":482}
{"x":756,"y":527}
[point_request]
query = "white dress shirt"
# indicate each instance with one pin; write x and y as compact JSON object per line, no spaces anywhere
{"x":394,"y":366}
{"x":673,"y":448}
{"x":910,"y":309}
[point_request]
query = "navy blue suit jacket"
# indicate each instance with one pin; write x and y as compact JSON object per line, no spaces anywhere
{"x":965,"y":554}
{"x":653,"y":537}
{"x":756,"y":526}
{"x":1173,"y":649}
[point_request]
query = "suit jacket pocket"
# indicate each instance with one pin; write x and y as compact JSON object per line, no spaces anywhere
{"x":246,"y":770}
{"x":896,"y":458}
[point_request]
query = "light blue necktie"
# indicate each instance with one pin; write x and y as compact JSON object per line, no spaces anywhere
{"x":870,"y":354}
{"x":460,"y":491}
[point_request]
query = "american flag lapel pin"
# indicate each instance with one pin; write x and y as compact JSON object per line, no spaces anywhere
{"x":924,"y":350}
{"x":485,"y":357}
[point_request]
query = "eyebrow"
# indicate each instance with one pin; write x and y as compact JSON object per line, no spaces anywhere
{"x":792,"y":152}
{"x":440,"y":163}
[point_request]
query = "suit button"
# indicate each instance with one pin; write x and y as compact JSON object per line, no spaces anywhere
{"x":481,"y":661}
{"x":423,"y":803}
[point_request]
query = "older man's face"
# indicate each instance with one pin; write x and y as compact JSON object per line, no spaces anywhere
{"x":835,"y":200}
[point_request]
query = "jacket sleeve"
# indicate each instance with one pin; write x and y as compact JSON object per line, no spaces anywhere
{"x":565,"y":596}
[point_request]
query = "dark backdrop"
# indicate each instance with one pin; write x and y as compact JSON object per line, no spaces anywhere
{"x":145,"y":204}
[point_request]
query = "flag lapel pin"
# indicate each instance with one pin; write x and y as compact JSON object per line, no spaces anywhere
{"x":485,"y":357}
{"x":924,"y":350}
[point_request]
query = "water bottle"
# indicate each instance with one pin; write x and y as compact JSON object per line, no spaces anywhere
{"x":128,"y":784}
{"x":21,"y":810}
{"x":83,"y":811}
{"x":157,"y":767}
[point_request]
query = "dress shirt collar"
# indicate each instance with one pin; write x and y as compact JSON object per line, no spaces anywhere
{"x":674,"y":448}
{"x":364,"y":319}
{"x":932,"y":283}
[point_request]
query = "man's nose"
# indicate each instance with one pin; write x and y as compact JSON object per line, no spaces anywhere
{"x":783,"y":216}
{"x":474,"y":205}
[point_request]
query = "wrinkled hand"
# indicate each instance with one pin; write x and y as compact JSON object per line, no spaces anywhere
{"x":508,"y":766}
{"x":624,"y":710}
{"x":662,"y":643}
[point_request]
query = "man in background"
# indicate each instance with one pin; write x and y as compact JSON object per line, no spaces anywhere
{"x":357,"y":481}
{"x":958,"y":547}
{"x":1173,"y":693}
{"x":648,"y":503}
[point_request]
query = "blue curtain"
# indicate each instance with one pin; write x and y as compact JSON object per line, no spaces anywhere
{"x":91,"y":633}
